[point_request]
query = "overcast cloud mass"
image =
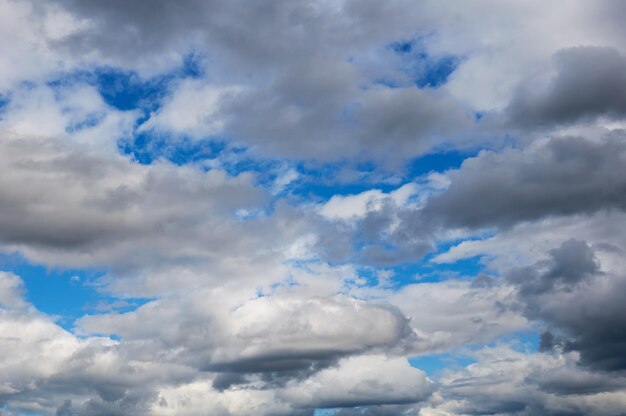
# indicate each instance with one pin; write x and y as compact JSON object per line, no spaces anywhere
{"x":312,"y":208}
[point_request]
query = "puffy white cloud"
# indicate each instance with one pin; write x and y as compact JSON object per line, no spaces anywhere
{"x":283,"y":332}
{"x":362,"y":381}
{"x":452,"y":313}
{"x":194,"y":109}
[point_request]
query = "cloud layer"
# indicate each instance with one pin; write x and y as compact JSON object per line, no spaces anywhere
{"x":287,"y":207}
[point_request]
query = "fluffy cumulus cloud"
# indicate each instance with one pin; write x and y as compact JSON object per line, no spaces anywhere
{"x":312,"y":208}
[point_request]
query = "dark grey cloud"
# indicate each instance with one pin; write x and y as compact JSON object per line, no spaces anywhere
{"x":580,"y":304}
{"x":382,"y":247}
{"x":570,"y":382}
{"x":569,"y":264}
{"x":589,"y":82}
{"x":564,"y":176}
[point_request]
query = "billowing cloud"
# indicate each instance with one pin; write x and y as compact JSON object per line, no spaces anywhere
{"x":281,"y":334}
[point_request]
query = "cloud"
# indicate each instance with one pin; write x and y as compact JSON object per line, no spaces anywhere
{"x":91,"y":375}
{"x":284,"y":335}
{"x":579,"y":302}
{"x":453,"y":313}
{"x":309,"y":98}
{"x":194,"y":110}
{"x":509,"y":382}
{"x":589,"y":83}
{"x":11,"y":291}
{"x":560,"y":176}
{"x":569,"y":264}
{"x":363,"y":381}
{"x":258,"y":298}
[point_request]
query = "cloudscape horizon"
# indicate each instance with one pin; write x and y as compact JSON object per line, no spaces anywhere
{"x":312,"y":208}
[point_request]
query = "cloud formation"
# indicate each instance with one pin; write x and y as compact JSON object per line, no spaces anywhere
{"x":284,"y":208}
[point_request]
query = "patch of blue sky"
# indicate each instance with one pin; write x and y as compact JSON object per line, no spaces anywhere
{"x":367,"y":276}
{"x":146,"y":147}
{"x":127,"y":90}
{"x":417,"y":272}
{"x":423,"y":270}
{"x":425,"y":70}
{"x":434,"y":364}
{"x":325,"y":412}
{"x":524,"y":341}
{"x":428,"y":272}
{"x":63,"y":293}
{"x":436,"y":162}
{"x":4,"y":102}
{"x":322,"y":182}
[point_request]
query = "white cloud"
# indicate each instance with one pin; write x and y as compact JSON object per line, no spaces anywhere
{"x":362,"y":380}
{"x":194,"y":109}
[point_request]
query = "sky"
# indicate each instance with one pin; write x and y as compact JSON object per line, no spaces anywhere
{"x":312,"y":208}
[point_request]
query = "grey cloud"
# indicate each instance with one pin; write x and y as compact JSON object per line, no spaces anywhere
{"x":589,"y":82}
{"x":571,"y":263}
{"x":579,"y":302}
{"x":306,"y":96}
{"x":379,"y":240}
{"x":564,"y":176}
{"x":99,"y":407}
{"x":568,"y":381}
{"x":280,"y":364}
{"x":65,"y":409}
{"x":67,"y":205}
{"x":265,"y":34}
{"x":384,"y":247}
{"x":316,"y":110}
{"x":285,"y":338}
